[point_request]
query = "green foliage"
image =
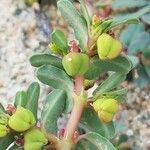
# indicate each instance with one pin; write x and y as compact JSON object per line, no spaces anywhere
{"x":21,"y":99}
{"x":91,"y":123}
{"x":7,"y":140}
{"x":120,"y":64}
{"x":76,"y":21}
{"x":38,"y":60}
{"x":141,"y":9}
{"x":94,"y":141}
{"x":69,"y":94}
{"x":137,"y":40}
{"x":53,"y":108}
{"x":60,"y":40}
{"x":57,"y":79}
{"x":113,"y":81}
{"x":33,"y":93}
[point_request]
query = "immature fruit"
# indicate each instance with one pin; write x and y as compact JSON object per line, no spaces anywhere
{"x":108,"y":47}
{"x":22,"y":120}
{"x":75,"y":63}
{"x":106,"y":108}
{"x":34,"y":139}
{"x":3,"y":130}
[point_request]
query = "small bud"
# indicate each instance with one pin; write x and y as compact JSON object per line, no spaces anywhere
{"x":76,"y":63}
{"x":30,"y":2}
{"x":106,"y":108}
{"x":88,"y":83}
{"x":22,"y":120}
{"x":108,"y":47}
{"x":54,"y":49}
{"x":3,"y":130}
{"x":34,"y":139}
{"x":96,"y":21}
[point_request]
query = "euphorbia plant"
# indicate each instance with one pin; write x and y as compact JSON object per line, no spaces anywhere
{"x":70,"y":69}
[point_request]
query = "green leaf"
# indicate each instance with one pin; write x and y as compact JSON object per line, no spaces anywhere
{"x":143,"y":78}
{"x":120,"y":4}
{"x":134,"y":61}
{"x":85,"y":13}
{"x":120,"y":64}
{"x":94,"y":140}
{"x":117,"y":22}
{"x":2,"y":109}
{"x":110,"y":83}
{"x":57,"y":79}
{"x":76,"y":21}
{"x":147,"y":69}
{"x":126,"y":38}
{"x":91,"y":123}
{"x":33,"y":93}
{"x":53,"y":108}
{"x":58,"y":37}
{"x":45,"y":59}
{"x":21,"y":99}
{"x":7,"y":140}
{"x":138,"y":40}
{"x":129,"y":16}
{"x":146,"y":18}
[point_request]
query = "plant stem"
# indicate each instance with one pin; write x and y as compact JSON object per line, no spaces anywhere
{"x":77,"y":110}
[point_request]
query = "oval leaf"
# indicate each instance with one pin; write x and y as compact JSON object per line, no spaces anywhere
{"x":57,"y":79}
{"x":45,"y":59}
{"x":53,"y":108}
{"x":60,"y":40}
{"x":110,"y":83}
{"x":21,"y":99}
{"x":76,"y":21}
{"x":120,"y":64}
{"x":33,"y":93}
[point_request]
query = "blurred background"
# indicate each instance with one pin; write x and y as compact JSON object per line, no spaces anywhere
{"x":25,"y":27}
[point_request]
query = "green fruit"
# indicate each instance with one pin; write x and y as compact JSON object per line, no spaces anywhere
{"x":3,"y":130}
{"x":108,"y":47}
{"x":106,"y":108}
{"x":34,"y":139}
{"x":76,"y":63}
{"x":22,"y":120}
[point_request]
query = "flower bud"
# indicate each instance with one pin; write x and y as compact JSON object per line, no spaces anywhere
{"x":76,"y":63}
{"x":88,"y":83}
{"x":22,"y":120}
{"x":30,"y":2}
{"x":3,"y":130}
{"x":106,"y":108}
{"x":34,"y":139}
{"x":96,"y":21}
{"x":108,"y":47}
{"x":54,"y":49}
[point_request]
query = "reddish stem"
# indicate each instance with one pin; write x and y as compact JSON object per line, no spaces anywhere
{"x":76,"y":112}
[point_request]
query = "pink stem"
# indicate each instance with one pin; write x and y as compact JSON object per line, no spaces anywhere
{"x":76,"y":112}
